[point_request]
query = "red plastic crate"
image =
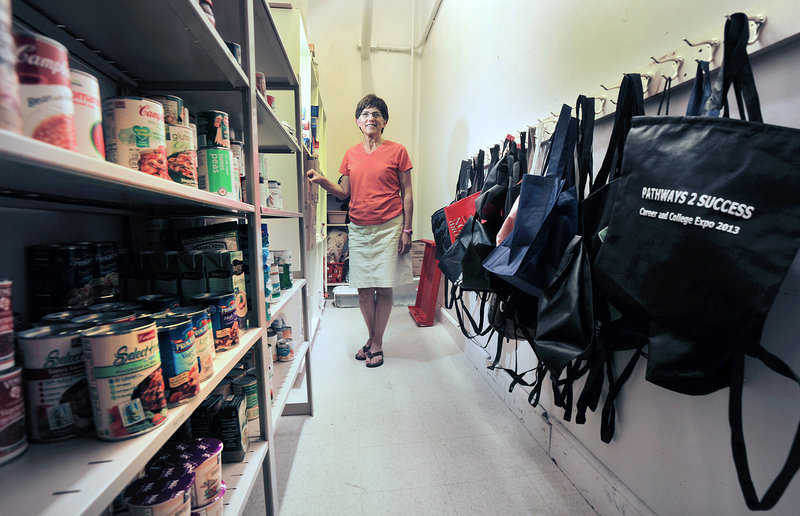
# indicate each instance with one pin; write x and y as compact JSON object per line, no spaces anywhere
{"x":424,"y":310}
{"x":335,"y":270}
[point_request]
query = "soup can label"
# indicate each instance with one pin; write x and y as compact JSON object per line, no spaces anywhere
{"x":215,"y":171}
{"x":55,"y":382}
{"x":181,"y":156}
{"x":88,"y":115}
{"x":224,"y":321}
{"x":44,"y":85}
{"x":10,"y":111}
{"x":173,"y":109}
{"x":247,"y":386}
{"x":126,"y":385}
{"x":285,"y":350}
{"x":134,"y":133}
{"x":6,"y":326}
{"x":203,"y":338}
{"x":213,"y":129}
{"x":12,"y":415}
{"x":178,"y":359}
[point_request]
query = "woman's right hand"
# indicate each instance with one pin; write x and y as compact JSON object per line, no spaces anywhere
{"x":314,"y":176}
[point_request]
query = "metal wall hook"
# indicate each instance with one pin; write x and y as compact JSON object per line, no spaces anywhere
{"x":602,"y":104}
{"x":678,"y":60}
{"x":713,"y":42}
{"x":609,"y":89}
{"x":756,"y":24}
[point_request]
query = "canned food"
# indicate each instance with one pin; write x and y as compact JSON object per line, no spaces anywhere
{"x":222,"y":309}
{"x":173,"y":108}
{"x":285,"y":332}
{"x":6,"y":326}
{"x":285,"y":350}
{"x":203,"y":337}
{"x":45,"y":90}
{"x":61,"y":317}
{"x":163,"y":497}
{"x":275,"y":282}
{"x":214,"y":507}
{"x":283,"y":258}
{"x":213,"y":129}
{"x":88,"y":115}
{"x":181,"y":156}
{"x":126,"y":385}
{"x":191,"y":275}
{"x":134,"y":133}
{"x":99,"y":318}
{"x":60,"y":277}
{"x":164,"y":273}
{"x":193,"y":127}
{"x":159,"y":302}
{"x":55,"y":381}
{"x":261,"y":83}
{"x":178,"y":359}
{"x":105,"y":269}
{"x":205,"y":457}
{"x":116,"y":306}
{"x":236,"y":51}
{"x":272,"y":342}
{"x":10,"y":110}
{"x":237,"y":148}
{"x":247,"y":386}
{"x":275,"y":199}
{"x":215,"y":171}
{"x":12,"y":415}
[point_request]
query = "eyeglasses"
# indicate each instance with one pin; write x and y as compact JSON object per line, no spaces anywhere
{"x":374,"y":114}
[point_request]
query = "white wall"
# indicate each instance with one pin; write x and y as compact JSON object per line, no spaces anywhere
{"x":334,"y":26}
{"x":489,"y":71}
{"x":490,"y":68}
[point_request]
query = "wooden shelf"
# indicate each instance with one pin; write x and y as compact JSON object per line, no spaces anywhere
{"x":273,"y":213}
{"x":83,"y":475}
{"x":276,"y":308}
{"x":283,"y":377}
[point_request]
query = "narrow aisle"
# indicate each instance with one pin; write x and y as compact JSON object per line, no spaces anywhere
{"x":422,"y":434}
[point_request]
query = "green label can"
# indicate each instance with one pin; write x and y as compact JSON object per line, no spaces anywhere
{"x":215,"y":171}
{"x":247,"y":386}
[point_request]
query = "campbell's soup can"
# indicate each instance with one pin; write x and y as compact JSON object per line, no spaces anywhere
{"x":10,"y":110}
{"x":181,"y":156}
{"x":173,"y":108}
{"x":213,"y":129}
{"x":100,"y":318}
{"x":55,"y":382}
{"x":215,"y":171}
{"x":88,"y":116}
{"x":13,"y":440}
{"x":135,"y":135}
{"x":178,"y":359}
{"x":203,"y":337}
{"x":45,"y":90}
{"x":64,"y":317}
{"x":6,"y":326}
{"x":126,"y":385}
{"x":222,"y":309}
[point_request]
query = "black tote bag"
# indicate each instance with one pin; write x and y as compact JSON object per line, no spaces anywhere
{"x":705,"y":227}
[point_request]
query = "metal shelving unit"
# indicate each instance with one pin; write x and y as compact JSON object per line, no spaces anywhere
{"x":159,"y":46}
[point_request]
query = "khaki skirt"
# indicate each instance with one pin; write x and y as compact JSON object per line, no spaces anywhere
{"x":374,"y":261}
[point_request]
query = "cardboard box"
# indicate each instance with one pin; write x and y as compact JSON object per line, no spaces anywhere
{"x":417,"y":255}
{"x":337,"y":217}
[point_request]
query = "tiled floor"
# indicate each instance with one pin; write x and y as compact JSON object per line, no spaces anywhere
{"x":423,"y":434}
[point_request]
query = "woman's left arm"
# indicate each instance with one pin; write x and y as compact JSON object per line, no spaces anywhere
{"x":407,"y":197}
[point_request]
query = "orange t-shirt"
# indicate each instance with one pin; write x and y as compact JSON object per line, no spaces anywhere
{"x":375,"y":182}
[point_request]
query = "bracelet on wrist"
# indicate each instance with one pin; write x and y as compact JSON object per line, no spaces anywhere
{"x":407,"y":231}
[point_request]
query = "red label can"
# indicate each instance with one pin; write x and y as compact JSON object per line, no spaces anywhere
{"x":88,"y":117}
{"x":12,"y":415}
{"x":45,"y":90}
{"x":10,"y":113}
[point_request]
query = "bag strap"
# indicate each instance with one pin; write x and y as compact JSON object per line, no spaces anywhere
{"x":701,"y":89}
{"x":584,"y":111}
{"x":792,"y":464}
{"x":464,"y":173}
{"x":478,"y":174}
{"x":609,"y":413}
{"x":560,"y":150}
{"x":630,"y":103}
{"x":736,"y":70}
{"x":478,"y":329}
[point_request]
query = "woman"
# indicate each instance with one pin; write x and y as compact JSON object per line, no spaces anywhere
{"x":376,"y":174}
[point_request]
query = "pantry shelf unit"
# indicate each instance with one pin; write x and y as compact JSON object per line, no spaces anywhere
{"x":273,"y":137}
{"x":39,"y":171}
{"x":286,"y":295}
{"x":240,"y":477}
{"x":271,"y":56}
{"x":83,"y":475}
{"x":127,"y":36}
{"x":283,"y":378}
{"x":273,"y":213}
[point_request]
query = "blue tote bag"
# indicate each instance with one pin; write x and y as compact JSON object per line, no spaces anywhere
{"x":547,"y":217}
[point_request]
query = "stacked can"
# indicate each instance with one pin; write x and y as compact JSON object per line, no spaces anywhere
{"x":203,"y":337}
{"x":45,"y":90}
{"x":6,"y":326}
{"x":222,"y":308}
{"x":283,"y":260}
{"x":173,"y":109}
{"x":179,"y":363}
{"x":10,"y":110}
{"x":237,"y":152}
{"x":126,"y":385}
{"x":88,"y":115}
{"x":55,"y":381}
{"x":135,"y":135}
{"x":181,"y":156}
{"x":13,"y":440}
